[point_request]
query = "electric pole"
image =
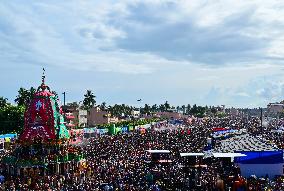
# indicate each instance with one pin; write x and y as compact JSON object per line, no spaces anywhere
{"x":64,"y":94}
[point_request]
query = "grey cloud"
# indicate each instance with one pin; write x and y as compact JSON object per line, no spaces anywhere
{"x":147,"y":32}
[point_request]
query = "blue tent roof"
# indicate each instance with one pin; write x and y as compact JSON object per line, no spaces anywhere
{"x":8,"y":136}
{"x":261,"y":157}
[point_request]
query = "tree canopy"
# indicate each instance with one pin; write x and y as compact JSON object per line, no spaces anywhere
{"x":24,"y":96}
{"x":89,"y":100}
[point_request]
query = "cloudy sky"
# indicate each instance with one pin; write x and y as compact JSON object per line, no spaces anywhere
{"x":204,"y":52}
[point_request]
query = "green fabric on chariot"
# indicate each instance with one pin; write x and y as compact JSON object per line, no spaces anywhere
{"x":59,"y":120}
{"x":56,"y":113}
{"x":9,"y":160}
{"x":63,"y":133}
{"x":30,"y":163}
{"x":76,"y":157}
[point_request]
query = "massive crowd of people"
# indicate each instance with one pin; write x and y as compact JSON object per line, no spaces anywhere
{"x":120,"y":162}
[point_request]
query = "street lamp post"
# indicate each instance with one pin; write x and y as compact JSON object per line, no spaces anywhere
{"x":139,"y":100}
{"x":64,"y":94}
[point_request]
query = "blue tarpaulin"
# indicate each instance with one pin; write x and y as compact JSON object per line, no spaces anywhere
{"x":8,"y":136}
{"x":224,"y":132}
{"x":260,"y":157}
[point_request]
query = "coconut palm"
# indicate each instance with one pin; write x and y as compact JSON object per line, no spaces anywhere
{"x":103,"y":106}
{"x":167,"y":106}
{"x":89,"y":100}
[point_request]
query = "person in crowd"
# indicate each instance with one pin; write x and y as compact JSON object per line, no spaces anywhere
{"x":119,"y":162}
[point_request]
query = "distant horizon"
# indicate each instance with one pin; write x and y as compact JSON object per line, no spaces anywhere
{"x":133,"y":105}
{"x":198,"y":52}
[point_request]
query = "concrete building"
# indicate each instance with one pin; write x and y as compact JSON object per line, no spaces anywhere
{"x":70,"y":113}
{"x":234,"y":112}
{"x":96,"y":117}
{"x":274,"y":109}
{"x":135,"y":113}
{"x":82,"y":118}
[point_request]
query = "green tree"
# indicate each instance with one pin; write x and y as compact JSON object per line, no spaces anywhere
{"x":147,"y":109}
{"x":198,"y":111}
{"x":194,"y":110}
{"x":178,"y":108}
{"x":167,"y":106}
{"x":3,"y":102}
{"x":89,"y":100}
{"x":221,"y":114}
{"x":11,"y":118}
{"x":120,"y":111}
{"x":73,"y":104}
{"x":183,"y":109}
{"x":25,"y":96}
{"x":154,"y":108}
{"x":188,"y":109}
{"x":214,"y":110}
{"x":103,"y":106}
{"x":162,"y":108}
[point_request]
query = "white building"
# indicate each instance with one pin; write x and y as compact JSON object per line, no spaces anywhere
{"x":82,"y":117}
{"x":135,"y":113}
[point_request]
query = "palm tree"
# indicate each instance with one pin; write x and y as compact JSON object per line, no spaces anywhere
{"x":103,"y":106}
{"x":188,"y":109}
{"x":183,"y":108}
{"x":147,"y":109}
{"x":167,"y":106}
{"x":162,"y":108}
{"x":154,"y":108}
{"x":89,"y":100}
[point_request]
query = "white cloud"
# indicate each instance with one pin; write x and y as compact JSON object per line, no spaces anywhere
{"x":242,"y":94}
{"x":193,"y":48}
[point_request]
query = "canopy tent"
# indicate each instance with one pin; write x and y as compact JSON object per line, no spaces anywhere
{"x":278,"y":131}
{"x":191,"y":154}
{"x":261,"y":163}
{"x":261,"y":157}
{"x":158,"y":151}
{"x":224,"y":131}
{"x":160,"y":156}
{"x":228,"y":155}
{"x":192,"y":159}
{"x":228,"y":158}
{"x":90,"y":132}
{"x":102,"y":131}
{"x":8,"y":136}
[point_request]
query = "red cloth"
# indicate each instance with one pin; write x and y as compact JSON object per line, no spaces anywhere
{"x":219,"y":129}
{"x":188,"y":132}
{"x":39,"y":118}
